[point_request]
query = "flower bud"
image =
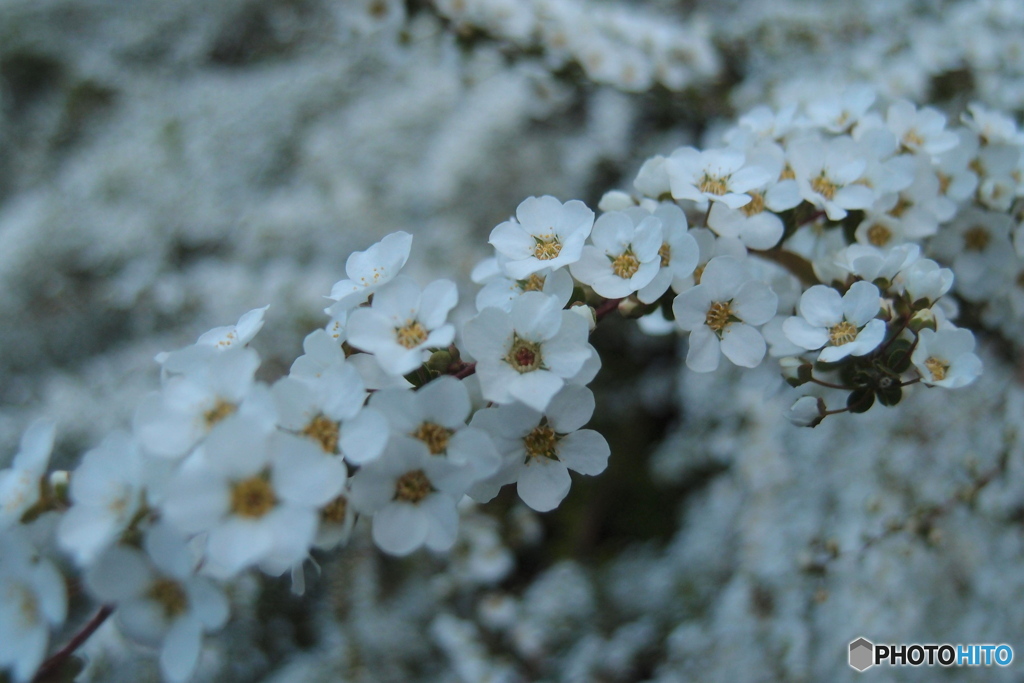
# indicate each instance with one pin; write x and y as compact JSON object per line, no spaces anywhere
{"x":615,"y":200}
{"x":796,"y":371}
{"x":808,"y":411}
{"x":587,"y":313}
{"x":923,"y":319}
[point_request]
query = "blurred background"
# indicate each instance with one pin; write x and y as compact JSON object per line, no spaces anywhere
{"x":167,"y":166}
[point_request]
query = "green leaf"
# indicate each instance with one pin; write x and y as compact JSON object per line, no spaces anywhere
{"x":860,"y":400}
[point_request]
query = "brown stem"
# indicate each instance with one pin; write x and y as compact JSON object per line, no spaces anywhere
{"x":605,"y":308}
{"x":57,"y":659}
{"x":830,"y":385}
{"x":465,"y":371}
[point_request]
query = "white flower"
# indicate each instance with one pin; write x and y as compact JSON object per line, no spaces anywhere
{"x":329,"y":410}
{"x":160,"y":602}
{"x":826,"y":173}
{"x":33,"y":598}
{"x":679,"y":254}
{"x":870,"y":263}
{"x":435,"y":415}
{"x":925,"y":279}
{"x":945,"y":358}
{"x":106,"y":492}
{"x":528,"y":354}
{"x":718,"y":175}
{"x":539,"y":449}
{"x":752,"y":224}
{"x":720,"y":313}
{"x":410,"y":494}
{"x":170,"y":422}
{"x":652,"y":179}
{"x":839,"y":114}
{"x":404,"y":322}
{"x":500,"y":291}
{"x":991,"y":126}
{"x":624,"y":257}
{"x":548,"y":234}
{"x":19,"y":484}
{"x":845,"y":325}
{"x":369,"y":270}
{"x":977,"y":246}
{"x":920,"y":130}
{"x":257,"y":497}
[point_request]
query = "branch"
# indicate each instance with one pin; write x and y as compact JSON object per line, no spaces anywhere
{"x":53,"y":664}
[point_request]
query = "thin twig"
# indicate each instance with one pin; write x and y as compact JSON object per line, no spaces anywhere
{"x":57,"y":659}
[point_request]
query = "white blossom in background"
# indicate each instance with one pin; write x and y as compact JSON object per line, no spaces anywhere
{"x":403,"y":322}
{"x":20,"y":483}
{"x":545,"y":234}
{"x":625,"y":255}
{"x":527,"y":355}
{"x":722,"y":314}
{"x":160,"y":601}
{"x":920,"y":130}
{"x":33,"y":599}
{"x":844,"y":325}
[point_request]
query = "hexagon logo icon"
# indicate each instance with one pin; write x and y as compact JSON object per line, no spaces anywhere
{"x":862,"y":653}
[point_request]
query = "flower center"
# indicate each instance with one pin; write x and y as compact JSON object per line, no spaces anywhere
{"x":253,"y":497}
{"x":665,"y":252}
{"x":879,"y":235}
{"x":901,"y":207}
{"x":335,"y":511}
{"x":546,"y":248}
{"x":713,"y":184}
{"x":718,"y":315}
{"x":787,"y":173}
{"x":843,"y":333}
{"x":937,"y":367}
{"x":325,"y":430}
{"x":944,"y":182}
{"x":698,"y":272}
{"x":912,"y":138}
{"x":434,"y":435}
{"x":823,"y":186}
{"x":625,"y":264}
{"x":534,"y":283}
{"x":976,"y":238}
{"x":27,"y":604}
{"x":754,"y":206}
{"x":524,"y":356}
{"x":412,"y":335}
{"x":220,"y":410}
{"x":542,"y":442}
{"x":170,"y":596}
{"x":412,"y":487}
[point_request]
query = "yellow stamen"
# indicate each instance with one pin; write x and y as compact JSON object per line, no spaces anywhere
{"x":625,"y":265}
{"x":412,"y":335}
{"x":434,"y":436}
{"x":542,"y":442}
{"x":253,"y":497}
{"x":937,"y":367}
{"x":718,"y":315}
{"x":170,"y":596}
{"x":412,"y":487}
{"x":547,"y":248}
{"x":843,"y":333}
{"x":325,"y":430}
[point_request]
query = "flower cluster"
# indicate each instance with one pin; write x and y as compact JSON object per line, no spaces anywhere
{"x":625,"y":49}
{"x":807,"y":239}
